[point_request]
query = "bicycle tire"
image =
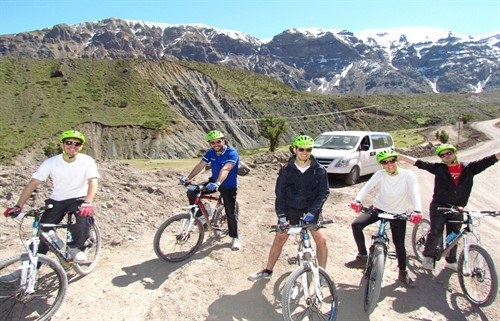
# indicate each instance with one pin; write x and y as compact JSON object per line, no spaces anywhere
{"x":372,"y":279}
{"x":174,"y":243}
{"x":50,"y":290}
{"x":220,"y":226}
{"x":419,"y":236}
{"x":297,"y":307}
{"x":92,"y":250}
{"x":481,"y":287}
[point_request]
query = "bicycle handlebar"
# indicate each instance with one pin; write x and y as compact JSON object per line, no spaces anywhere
{"x":475,"y":214}
{"x":386,"y":215}
{"x":278,"y":228}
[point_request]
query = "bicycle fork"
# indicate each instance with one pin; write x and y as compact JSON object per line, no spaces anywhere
{"x":315,"y":279}
{"x":29,"y":267}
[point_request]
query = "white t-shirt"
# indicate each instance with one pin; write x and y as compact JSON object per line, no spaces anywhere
{"x":396,"y":194}
{"x":69,"y":180}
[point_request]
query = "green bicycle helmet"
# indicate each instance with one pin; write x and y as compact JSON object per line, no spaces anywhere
{"x":72,"y":134}
{"x":214,"y":134}
{"x":442,"y":147}
{"x":386,"y":154}
{"x":303,"y":141}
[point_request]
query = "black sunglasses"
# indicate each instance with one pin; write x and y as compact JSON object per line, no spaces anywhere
{"x":216,"y":142}
{"x":385,"y":162}
{"x":443,"y":155}
{"x":69,"y":143}
{"x":304,"y":149}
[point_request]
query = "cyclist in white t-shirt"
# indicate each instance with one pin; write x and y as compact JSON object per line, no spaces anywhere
{"x":74,"y":185}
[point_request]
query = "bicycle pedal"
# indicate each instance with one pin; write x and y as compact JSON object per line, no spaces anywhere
{"x":293,"y":260}
{"x":392,"y":255}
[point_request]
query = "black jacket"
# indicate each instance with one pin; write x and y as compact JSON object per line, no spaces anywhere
{"x":445,"y":190}
{"x":308,"y":190}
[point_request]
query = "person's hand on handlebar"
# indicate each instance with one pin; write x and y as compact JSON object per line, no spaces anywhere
{"x":356,"y":206}
{"x":309,"y":217}
{"x":415,"y":217}
{"x":281,"y":222}
{"x":184,"y":180}
{"x":212,"y":187}
{"x":12,"y":211}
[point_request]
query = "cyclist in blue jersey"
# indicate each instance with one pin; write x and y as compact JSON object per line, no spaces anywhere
{"x":224,"y":162}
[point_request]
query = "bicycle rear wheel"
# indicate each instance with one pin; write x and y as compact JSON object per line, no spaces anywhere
{"x":372,"y":279}
{"x":17,"y":304}
{"x":92,"y":249}
{"x":300,"y":302}
{"x":176,"y":240}
{"x":418,"y":237}
{"x":481,"y":286}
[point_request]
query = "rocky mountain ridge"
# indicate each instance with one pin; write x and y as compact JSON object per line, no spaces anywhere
{"x":332,"y":62}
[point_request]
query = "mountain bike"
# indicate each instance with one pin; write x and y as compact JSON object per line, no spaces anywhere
{"x":309,"y":292}
{"x":181,"y":235}
{"x":475,"y":268}
{"x":33,"y":285}
{"x":371,"y":283}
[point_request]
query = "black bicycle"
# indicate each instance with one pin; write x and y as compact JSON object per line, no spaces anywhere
{"x":181,"y":235}
{"x":475,"y":268}
{"x":371,"y":282}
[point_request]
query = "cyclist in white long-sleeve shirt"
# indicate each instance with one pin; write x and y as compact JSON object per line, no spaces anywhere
{"x":397,"y":193}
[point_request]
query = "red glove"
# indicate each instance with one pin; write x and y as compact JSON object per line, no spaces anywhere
{"x":415,"y":217}
{"x":86,"y":209}
{"x":11,"y":211}
{"x":356,"y":206}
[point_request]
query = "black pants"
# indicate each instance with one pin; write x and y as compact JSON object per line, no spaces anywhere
{"x":229,"y":199}
{"x":438,"y":220}
{"x":80,"y":228}
{"x":398,"y":228}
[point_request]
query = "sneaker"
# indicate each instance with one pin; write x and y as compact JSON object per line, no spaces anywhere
{"x":428,"y":263}
{"x":264,"y":274}
{"x":77,"y":255}
{"x":236,"y":246}
{"x":11,"y":277}
{"x":358,"y":263}
{"x":451,"y":266}
{"x":407,"y":281}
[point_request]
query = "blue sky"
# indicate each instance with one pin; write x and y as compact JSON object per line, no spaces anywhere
{"x":262,"y":19}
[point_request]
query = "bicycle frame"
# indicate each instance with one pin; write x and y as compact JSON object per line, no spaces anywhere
{"x":466,"y":231}
{"x":306,"y":257}
{"x":198,"y":204}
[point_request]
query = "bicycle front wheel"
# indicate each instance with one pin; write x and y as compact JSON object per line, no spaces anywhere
{"x":301,"y":300}
{"x":418,"y":237}
{"x":372,"y":279}
{"x":481,"y":285}
{"x":92,"y":249}
{"x":16,"y":303}
{"x":177,"y":239}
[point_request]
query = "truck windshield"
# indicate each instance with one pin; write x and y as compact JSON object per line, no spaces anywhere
{"x":341,"y":142}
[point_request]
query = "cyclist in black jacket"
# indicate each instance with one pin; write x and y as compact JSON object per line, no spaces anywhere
{"x":453,"y":182}
{"x":302,"y":187}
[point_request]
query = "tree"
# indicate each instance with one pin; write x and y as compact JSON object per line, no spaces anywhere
{"x":271,"y":127}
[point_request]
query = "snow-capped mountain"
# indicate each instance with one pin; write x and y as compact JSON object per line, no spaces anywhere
{"x":330,"y":61}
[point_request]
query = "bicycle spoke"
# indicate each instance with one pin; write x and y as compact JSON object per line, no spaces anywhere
{"x":301,"y":301}
{"x":478,"y":277}
{"x":178,"y":238}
